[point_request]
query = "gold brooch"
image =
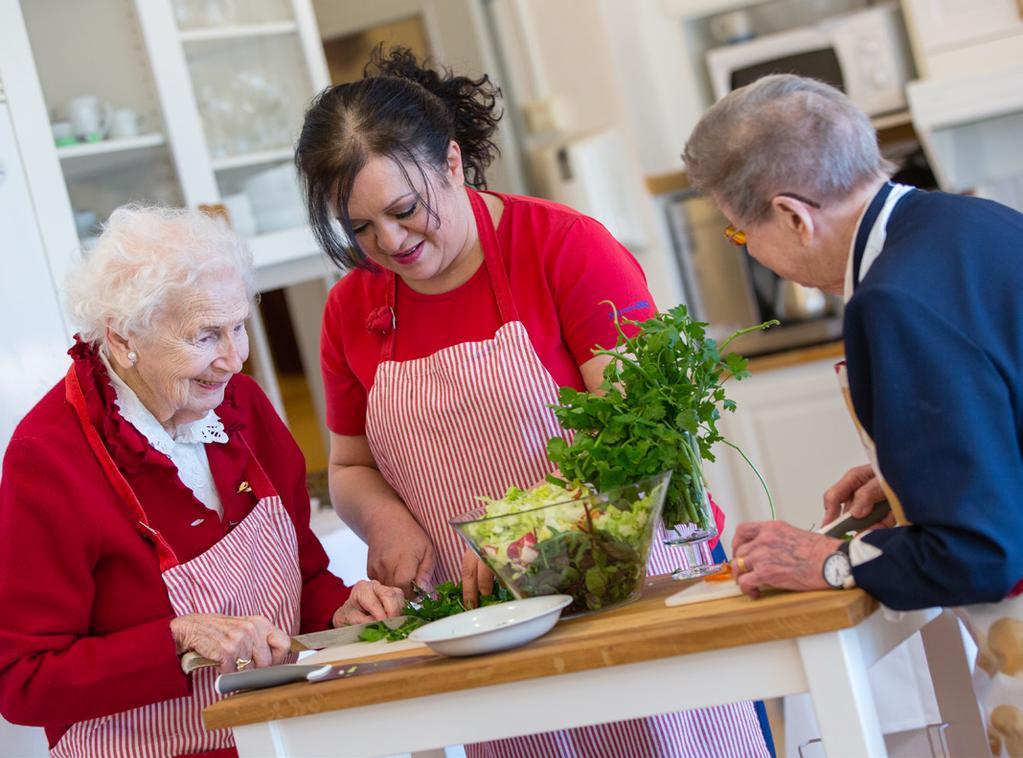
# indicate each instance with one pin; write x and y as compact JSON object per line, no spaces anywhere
{"x":244,"y":487}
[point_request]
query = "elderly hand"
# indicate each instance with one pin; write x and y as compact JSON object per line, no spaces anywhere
{"x":369,"y":601}
{"x":401,"y":558}
{"x":232,"y":641}
{"x":777,"y":555}
{"x":857,"y":491}
{"x":477,"y":579}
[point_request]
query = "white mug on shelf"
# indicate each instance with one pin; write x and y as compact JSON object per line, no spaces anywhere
{"x":124,"y":124}
{"x":90,"y":117}
{"x":731,"y":27}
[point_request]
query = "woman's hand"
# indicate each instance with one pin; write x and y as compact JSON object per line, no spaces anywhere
{"x":857,"y":491}
{"x":229,"y":639}
{"x":369,"y":601}
{"x":401,"y":557}
{"x":477,"y":579}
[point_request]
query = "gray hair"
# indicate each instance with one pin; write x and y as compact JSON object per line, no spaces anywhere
{"x":782,"y":133}
{"x":144,"y":260}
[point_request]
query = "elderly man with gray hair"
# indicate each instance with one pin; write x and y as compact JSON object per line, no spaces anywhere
{"x":934,"y":359}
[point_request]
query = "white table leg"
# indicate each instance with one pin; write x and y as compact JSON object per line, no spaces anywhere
{"x":953,"y":686}
{"x":837,"y":677}
{"x":256,"y":741}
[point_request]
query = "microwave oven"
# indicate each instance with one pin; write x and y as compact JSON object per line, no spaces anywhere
{"x":865,"y":53}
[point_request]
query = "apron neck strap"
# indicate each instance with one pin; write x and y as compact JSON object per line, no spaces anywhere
{"x":492,"y":259}
{"x":74,"y":395}
{"x":866,"y":225}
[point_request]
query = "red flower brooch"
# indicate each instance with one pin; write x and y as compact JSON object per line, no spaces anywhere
{"x":381,"y":320}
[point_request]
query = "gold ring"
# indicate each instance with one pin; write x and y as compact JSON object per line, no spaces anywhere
{"x":241,"y":663}
{"x":741,"y":563}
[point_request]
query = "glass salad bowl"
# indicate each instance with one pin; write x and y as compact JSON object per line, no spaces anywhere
{"x":553,"y":540}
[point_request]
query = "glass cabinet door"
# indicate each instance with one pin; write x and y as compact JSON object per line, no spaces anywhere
{"x":252,"y":83}
{"x":99,"y":91}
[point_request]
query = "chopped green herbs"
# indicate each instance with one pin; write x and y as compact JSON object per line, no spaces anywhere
{"x":446,"y":601}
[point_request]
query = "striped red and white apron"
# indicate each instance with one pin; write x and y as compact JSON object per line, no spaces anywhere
{"x":471,"y":420}
{"x":252,"y":571}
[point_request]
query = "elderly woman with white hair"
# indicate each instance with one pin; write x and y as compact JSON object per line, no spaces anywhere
{"x":153,"y":503}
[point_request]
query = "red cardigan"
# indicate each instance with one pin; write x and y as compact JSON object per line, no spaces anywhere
{"x":84,"y":613}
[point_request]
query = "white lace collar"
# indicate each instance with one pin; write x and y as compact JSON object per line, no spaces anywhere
{"x":207,"y":429}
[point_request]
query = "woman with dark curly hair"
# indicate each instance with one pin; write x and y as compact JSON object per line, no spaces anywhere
{"x":462,"y":313}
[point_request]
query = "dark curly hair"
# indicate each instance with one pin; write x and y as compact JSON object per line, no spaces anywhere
{"x":404,"y":110}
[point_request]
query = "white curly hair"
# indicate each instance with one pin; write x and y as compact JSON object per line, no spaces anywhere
{"x":144,"y":260}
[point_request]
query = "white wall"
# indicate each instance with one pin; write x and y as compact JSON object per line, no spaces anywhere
{"x":561,"y":52}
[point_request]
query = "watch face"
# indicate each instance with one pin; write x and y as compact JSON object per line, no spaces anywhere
{"x":837,"y":569}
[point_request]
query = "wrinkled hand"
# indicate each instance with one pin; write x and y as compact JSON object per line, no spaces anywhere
{"x":399,"y":558}
{"x":477,"y":579}
{"x":777,"y":555}
{"x":225,"y":639}
{"x":369,"y":601}
{"x":855,"y":493}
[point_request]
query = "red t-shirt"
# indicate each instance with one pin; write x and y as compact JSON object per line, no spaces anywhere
{"x":560,"y":266}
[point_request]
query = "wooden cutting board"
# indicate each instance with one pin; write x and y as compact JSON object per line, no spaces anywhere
{"x":641,"y":631}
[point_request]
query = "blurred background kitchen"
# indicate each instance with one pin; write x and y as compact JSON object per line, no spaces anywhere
{"x":198,"y":102}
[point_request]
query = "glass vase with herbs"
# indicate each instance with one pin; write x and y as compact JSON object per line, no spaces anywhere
{"x":657,"y":410}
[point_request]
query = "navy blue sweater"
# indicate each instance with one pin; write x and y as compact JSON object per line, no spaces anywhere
{"x":934,"y":345}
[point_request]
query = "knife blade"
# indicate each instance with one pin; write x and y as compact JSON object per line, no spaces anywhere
{"x":272,"y":676}
{"x":342,"y":635}
{"x":847,"y":523}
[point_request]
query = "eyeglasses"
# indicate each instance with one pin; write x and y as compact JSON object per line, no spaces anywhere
{"x":738,"y":236}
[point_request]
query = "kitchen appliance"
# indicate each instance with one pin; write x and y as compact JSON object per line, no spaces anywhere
{"x":594,"y":174}
{"x":727,"y":288}
{"x":866,"y":54}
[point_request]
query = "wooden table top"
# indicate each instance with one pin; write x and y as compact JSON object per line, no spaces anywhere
{"x":644,"y":630}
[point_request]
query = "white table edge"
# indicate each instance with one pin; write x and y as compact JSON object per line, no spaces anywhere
{"x":756,"y":671}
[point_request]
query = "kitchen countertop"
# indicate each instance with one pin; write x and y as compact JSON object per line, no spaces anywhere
{"x":834,"y":350}
{"x":642,"y":631}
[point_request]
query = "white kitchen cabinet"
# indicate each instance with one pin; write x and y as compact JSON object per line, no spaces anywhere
{"x":165,"y":60}
{"x":961,"y":37}
{"x":793,"y":424}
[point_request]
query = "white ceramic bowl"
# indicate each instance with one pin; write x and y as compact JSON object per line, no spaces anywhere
{"x":495,"y":627}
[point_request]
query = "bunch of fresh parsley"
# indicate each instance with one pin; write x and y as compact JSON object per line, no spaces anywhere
{"x":445,"y":601}
{"x":658,"y":409}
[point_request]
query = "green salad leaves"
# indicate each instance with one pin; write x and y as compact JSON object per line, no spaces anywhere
{"x":551,"y":540}
{"x":661,"y":399}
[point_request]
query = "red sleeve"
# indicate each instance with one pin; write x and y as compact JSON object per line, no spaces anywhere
{"x":590,"y":266}
{"x":51,"y":672}
{"x":345,"y":395}
{"x":322,"y":592}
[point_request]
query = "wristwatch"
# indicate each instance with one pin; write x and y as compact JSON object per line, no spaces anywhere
{"x":838,"y":568}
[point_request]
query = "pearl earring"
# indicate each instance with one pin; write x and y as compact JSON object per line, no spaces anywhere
{"x":133,"y":357}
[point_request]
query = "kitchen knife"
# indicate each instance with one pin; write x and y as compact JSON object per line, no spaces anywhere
{"x":271,"y":676}
{"x":343,"y":635}
{"x":846,"y":523}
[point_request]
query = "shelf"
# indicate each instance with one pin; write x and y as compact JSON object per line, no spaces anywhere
{"x":280,"y":247}
{"x":889,"y":120}
{"x":91,"y":158}
{"x":701,"y":8}
{"x":253,"y":159}
{"x":244,"y":31}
